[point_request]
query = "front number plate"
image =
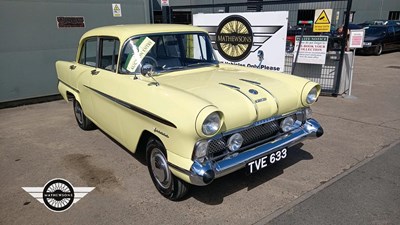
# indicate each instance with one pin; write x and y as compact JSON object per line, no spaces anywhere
{"x":263,"y":162}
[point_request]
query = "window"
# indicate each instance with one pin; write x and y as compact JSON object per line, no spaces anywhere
{"x":394,"y":15}
{"x":195,"y":46}
{"x":351,"y":16}
{"x":167,"y":52}
{"x":255,"y":7}
{"x":109,"y":48}
{"x":391,"y":30}
{"x":397,"y":30}
{"x":305,"y":15}
{"x":88,"y":52}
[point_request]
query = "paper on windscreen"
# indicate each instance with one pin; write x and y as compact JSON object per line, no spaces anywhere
{"x":143,"y":46}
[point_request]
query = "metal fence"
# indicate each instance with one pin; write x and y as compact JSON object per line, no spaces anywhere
{"x":327,"y":75}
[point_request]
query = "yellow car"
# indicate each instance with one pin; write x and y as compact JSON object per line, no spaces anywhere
{"x":159,"y":90}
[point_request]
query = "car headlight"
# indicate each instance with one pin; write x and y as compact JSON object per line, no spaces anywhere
{"x":312,"y":95}
{"x":211,"y":124}
{"x":367,"y":44}
{"x":235,"y":142}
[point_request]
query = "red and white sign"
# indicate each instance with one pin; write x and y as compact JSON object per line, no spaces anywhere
{"x":164,"y":2}
{"x":356,"y":39}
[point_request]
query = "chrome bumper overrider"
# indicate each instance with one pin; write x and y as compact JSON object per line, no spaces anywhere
{"x":204,"y":173}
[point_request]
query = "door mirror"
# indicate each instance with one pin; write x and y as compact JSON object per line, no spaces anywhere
{"x":147,"y":69}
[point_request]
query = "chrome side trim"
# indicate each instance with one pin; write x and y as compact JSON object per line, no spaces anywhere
{"x":134,"y":108}
{"x":74,"y":89}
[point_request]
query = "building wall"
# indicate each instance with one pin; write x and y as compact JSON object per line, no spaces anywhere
{"x":31,"y":42}
{"x":364,"y":9}
{"x":373,"y":9}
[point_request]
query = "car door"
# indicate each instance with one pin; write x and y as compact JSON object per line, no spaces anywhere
{"x":82,"y":73}
{"x":104,"y":86}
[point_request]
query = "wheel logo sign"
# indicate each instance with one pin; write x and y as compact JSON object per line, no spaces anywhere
{"x":58,"y":194}
{"x":234,"y":38}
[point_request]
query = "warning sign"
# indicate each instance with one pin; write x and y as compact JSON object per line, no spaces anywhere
{"x":117,"y":12}
{"x":322,"y":20}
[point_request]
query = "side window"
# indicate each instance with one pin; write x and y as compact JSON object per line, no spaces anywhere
{"x":397,"y":30}
{"x":88,"y":52}
{"x":195,"y":46}
{"x":109,"y":48}
{"x":391,"y":31}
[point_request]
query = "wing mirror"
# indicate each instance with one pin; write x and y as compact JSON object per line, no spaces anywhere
{"x":147,"y":69}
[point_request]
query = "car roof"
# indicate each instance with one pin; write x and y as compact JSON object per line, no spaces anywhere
{"x":126,"y":31}
{"x":381,"y":22}
{"x":376,"y":26}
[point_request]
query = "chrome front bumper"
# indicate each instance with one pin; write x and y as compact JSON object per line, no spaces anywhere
{"x":204,"y":173}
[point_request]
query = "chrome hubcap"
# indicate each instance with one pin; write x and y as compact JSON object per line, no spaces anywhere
{"x":159,"y":167}
{"x":78,"y":113}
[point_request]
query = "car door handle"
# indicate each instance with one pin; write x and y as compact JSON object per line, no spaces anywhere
{"x":95,"y":72}
{"x":72,"y":67}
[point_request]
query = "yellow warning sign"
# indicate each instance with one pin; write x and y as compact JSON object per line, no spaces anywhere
{"x":322,"y":20}
{"x":117,"y":12}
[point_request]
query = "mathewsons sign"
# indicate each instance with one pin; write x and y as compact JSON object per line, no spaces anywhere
{"x":247,"y":39}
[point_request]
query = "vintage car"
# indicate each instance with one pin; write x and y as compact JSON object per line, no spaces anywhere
{"x":160,"y":91}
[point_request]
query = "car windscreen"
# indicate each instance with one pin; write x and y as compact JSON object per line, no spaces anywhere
{"x":166,"y":52}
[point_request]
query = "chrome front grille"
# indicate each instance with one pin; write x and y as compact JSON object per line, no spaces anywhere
{"x":250,"y":136}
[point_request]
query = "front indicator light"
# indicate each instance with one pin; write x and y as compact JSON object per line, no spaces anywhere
{"x":308,"y":113}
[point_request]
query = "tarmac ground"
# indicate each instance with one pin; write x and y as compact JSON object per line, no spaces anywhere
{"x":333,"y":174}
{"x":370,"y":194}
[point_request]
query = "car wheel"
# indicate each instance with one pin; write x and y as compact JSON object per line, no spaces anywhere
{"x":378,"y":49}
{"x":166,"y":183}
{"x":83,"y":122}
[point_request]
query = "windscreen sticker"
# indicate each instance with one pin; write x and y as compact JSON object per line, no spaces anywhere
{"x":142,"y":47}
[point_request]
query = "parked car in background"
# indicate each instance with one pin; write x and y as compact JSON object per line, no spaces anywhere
{"x":380,"y":38}
{"x":160,"y":91}
{"x":380,"y":22}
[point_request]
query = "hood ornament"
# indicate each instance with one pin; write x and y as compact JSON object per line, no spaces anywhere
{"x":252,"y":91}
